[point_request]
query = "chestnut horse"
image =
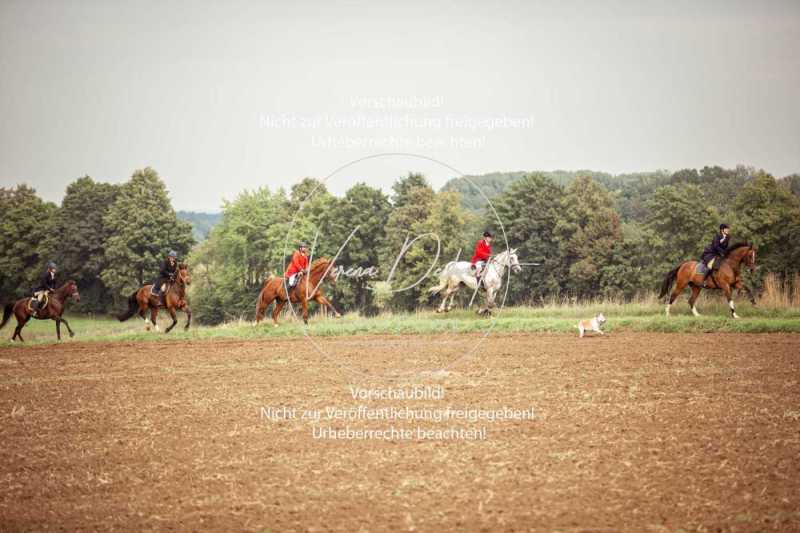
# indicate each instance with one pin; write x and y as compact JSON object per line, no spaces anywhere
{"x":727,"y":278}
{"x":309,"y":287}
{"x":172,"y":299}
{"x":56,"y":302}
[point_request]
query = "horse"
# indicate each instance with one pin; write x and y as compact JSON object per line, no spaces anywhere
{"x":174,"y":298}
{"x":458,"y":273}
{"x":308,"y":287}
{"x":52,"y":310}
{"x":727,"y":278}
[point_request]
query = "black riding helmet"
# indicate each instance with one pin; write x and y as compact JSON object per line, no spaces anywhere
{"x":723,"y":226}
{"x":487,"y":233}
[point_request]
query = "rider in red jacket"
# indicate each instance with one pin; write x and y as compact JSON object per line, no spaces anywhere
{"x":298,"y":265}
{"x":483,"y":251}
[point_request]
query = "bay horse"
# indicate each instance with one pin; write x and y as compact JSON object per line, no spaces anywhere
{"x":308,"y":287}
{"x":727,"y":278}
{"x":56,"y":303}
{"x":174,"y":298}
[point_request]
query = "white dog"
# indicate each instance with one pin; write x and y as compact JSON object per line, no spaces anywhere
{"x":592,"y":325}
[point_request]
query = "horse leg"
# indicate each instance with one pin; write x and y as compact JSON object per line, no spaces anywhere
{"x":153,"y":317}
{"x":262,"y":305}
{"x":58,"y":328}
{"x":750,"y":296}
{"x":321,"y":300}
{"x":18,"y":329}
{"x":452,"y":301}
{"x":174,"y":316}
{"x":304,"y":304}
{"x":489,"y":303}
{"x":676,"y":290}
{"x":277,"y":311}
{"x":443,"y":306}
{"x":693,"y":299}
{"x":452,"y":293}
{"x":188,"y":311}
{"x":729,"y":295}
{"x":69,"y":329}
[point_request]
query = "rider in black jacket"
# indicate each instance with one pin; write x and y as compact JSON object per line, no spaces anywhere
{"x":715,"y":252}
{"x":167,"y":273}
{"x":46,"y":284}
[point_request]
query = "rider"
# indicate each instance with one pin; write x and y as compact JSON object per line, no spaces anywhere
{"x":715,"y":252}
{"x":167,"y":273}
{"x":46,"y":285}
{"x":298,"y":265}
{"x":483,"y":251}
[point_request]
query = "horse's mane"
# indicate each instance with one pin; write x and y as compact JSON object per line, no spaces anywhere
{"x":738,"y":245}
{"x":318,"y":262}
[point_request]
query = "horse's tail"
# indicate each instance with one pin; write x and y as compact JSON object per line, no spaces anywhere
{"x":668,"y":280}
{"x":443,"y":278}
{"x":133,"y":306}
{"x":7,"y":310}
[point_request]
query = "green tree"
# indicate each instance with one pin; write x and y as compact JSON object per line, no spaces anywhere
{"x":78,"y":237}
{"x":241,"y":252}
{"x":680,"y":224}
{"x":768,"y":215}
{"x":792,"y":182}
{"x":412,"y":202}
{"x":142,"y":228}
{"x":530,"y":210}
{"x":588,"y":231}
{"x":403,"y":188}
{"x":26,"y":222}
{"x":367,"y":209}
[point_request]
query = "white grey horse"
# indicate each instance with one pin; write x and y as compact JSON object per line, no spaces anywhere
{"x":456,"y":273}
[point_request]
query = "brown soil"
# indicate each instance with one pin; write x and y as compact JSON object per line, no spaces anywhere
{"x":632,"y":431}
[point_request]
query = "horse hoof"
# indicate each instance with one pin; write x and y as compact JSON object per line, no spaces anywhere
{"x":71,"y":334}
{"x":338,"y":315}
{"x":735,"y":315}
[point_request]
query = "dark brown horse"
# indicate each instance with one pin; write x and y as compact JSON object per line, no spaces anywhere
{"x":309,"y":287}
{"x":727,"y":278}
{"x":174,"y":298}
{"x":56,"y":302}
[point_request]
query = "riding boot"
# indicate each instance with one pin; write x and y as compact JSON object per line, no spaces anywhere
{"x":35,"y":308}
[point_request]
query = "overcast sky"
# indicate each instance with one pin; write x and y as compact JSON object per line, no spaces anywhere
{"x":223,"y":96}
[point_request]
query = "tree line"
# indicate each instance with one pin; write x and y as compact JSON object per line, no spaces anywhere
{"x":594,"y":234}
{"x":109,"y":238}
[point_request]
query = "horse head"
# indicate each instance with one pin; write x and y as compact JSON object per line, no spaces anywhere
{"x":509,"y":259}
{"x":324,"y":270}
{"x":513,"y":261}
{"x":744,"y":253}
{"x":750,"y":258}
{"x":71,"y":289}
{"x":184,"y":277}
{"x":331,"y":274}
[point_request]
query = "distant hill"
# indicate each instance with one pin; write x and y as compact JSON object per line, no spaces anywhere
{"x":627,"y":188}
{"x":201,"y":222}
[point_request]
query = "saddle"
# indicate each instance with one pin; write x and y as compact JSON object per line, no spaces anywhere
{"x":701,"y":268}
{"x":162,"y":293}
{"x":42,"y":305}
